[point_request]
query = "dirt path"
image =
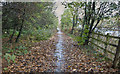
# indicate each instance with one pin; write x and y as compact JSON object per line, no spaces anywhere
{"x":58,"y":54}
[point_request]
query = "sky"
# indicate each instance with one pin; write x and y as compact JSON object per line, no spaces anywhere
{"x":59,"y":11}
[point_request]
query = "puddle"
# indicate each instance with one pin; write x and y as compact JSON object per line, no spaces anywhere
{"x":59,"y":53}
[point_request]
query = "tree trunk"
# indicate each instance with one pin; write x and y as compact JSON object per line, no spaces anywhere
{"x":73,"y":24}
{"x":92,"y":22}
{"x":89,"y":13}
{"x":20,"y":30}
{"x":85,"y":20}
{"x":76,"y":19}
{"x":82,"y":28}
{"x":93,"y":17}
{"x":119,"y":20}
{"x":12,"y":34}
{"x":85,"y":15}
{"x":96,"y":24}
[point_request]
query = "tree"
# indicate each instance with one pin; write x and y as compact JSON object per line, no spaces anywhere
{"x":104,"y":11}
{"x":73,"y":6}
{"x":66,"y":19}
{"x":23,"y":16}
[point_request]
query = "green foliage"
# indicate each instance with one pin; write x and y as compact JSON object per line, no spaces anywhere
{"x":18,"y":50}
{"x":10,"y":51}
{"x":39,"y":20}
{"x":4,"y":47}
{"x":7,"y":57}
{"x":81,"y":40}
{"x":43,"y":34}
{"x":21,"y":50}
{"x":0,"y":53}
{"x":39,"y":33}
{"x":66,"y":21}
{"x":10,"y":57}
{"x":18,"y":53}
{"x":21,"y":47}
{"x":25,"y":51}
{"x":13,"y":58}
{"x":5,"y":68}
{"x":5,"y":34}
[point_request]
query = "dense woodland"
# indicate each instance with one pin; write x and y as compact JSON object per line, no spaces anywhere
{"x":27,"y":19}
{"x":25,"y":24}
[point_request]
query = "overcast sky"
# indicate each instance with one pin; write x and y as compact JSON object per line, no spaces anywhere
{"x":59,"y":11}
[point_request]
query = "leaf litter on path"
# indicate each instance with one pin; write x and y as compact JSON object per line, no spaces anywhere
{"x":42,"y":59}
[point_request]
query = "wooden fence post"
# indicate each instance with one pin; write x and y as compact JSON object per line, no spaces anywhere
{"x":98,"y":37}
{"x":117,"y":56}
{"x":92,"y":39}
{"x":106,"y":44}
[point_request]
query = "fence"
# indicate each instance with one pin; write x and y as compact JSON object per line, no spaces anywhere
{"x":107,"y":45}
